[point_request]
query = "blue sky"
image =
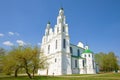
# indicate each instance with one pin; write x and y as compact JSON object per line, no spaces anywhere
{"x":95,"y":22}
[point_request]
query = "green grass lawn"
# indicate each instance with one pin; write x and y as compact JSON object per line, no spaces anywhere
{"x":106,"y":76}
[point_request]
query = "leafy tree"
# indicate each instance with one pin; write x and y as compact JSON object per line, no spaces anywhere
{"x":12,"y":62}
{"x":107,"y":62}
{"x":2,"y":54}
{"x":39,"y":61}
{"x":2,"y":51}
{"x":23,"y":57}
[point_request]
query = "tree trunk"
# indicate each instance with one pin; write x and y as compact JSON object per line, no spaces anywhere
{"x":16,"y":72}
{"x":26,"y":68}
{"x":27,"y":71}
{"x":29,"y":75}
{"x":33,"y":71}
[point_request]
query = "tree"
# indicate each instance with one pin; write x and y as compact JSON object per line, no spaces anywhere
{"x":39,"y":61}
{"x":2,"y":51}
{"x":2,"y":54}
{"x":12,"y":62}
{"x":23,"y":57}
{"x":107,"y":62}
{"x":99,"y":60}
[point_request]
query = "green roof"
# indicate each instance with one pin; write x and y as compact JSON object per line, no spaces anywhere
{"x":87,"y":51}
{"x":76,"y":56}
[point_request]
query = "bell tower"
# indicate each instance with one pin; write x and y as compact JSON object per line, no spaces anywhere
{"x":61,"y":17}
{"x":62,"y":35}
{"x":47,"y":31}
{"x":56,"y":43}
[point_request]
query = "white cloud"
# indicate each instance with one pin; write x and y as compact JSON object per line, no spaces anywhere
{"x":11,"y":33}
{"x":8,"y":43}
{"x":20,"y":42}
{"x":1,"y":35}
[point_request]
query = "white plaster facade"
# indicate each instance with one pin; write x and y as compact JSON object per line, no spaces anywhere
{"x":66,"y":58}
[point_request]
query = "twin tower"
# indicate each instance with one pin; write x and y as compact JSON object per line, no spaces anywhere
{"x":64,"y":57}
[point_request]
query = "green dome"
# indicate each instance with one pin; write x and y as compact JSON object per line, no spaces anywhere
{"x":87,"y":51}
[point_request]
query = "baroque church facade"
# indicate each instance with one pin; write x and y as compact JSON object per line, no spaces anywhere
{"x":66,"y":58}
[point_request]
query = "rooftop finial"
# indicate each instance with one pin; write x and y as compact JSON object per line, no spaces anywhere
{"x":61,"y":8}
{"x":61,"y":11}
{"x":48,"y":22}
{"x":48,"y":25}
{"x":86,"y":47}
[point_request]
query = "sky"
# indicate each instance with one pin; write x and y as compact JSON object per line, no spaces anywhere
{"x":93,"y":22}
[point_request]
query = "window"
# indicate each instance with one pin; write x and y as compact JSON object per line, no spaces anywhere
{"x":60,"y":20}
{"x":57,"y":29}
{"x":83,"y":63}
{"x":75,"y":63}
{"x":71,"y":51}
{"x":85,"y":55}
{"x":89,"y":55}
{"x":48,"y":32}
{"x":48,"y":49}
{"x":93,"y":64}
{"x":56,"y":44}
{"x":78,"y":52}
{"x":55,"y":60}
{"x":64,"y":43}
{"x":63,"y":29}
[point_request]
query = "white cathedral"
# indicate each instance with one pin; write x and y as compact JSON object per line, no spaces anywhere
{"x":66,"y":58}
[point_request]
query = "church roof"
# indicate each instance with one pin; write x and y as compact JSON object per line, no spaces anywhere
{"x":87,"y":51}
{"x":76,"y":46}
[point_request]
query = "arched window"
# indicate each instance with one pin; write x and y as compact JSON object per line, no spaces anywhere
{"x":48,"y":32}
{"x":71,"y":51}
{"x":57,"y":29}
{"x":83,"y":62}
{"x":48,"y":49}
{"x":56,"y":44}
{"x":93,"y":65}
{"x":63,"y":29}
{"x":60,"y":20}
{"x":89,"y":55}
{"x":55,"y":60}
{"x":78,"y":52}
{"x":75,"y":63}
{"x":64,"y":43}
